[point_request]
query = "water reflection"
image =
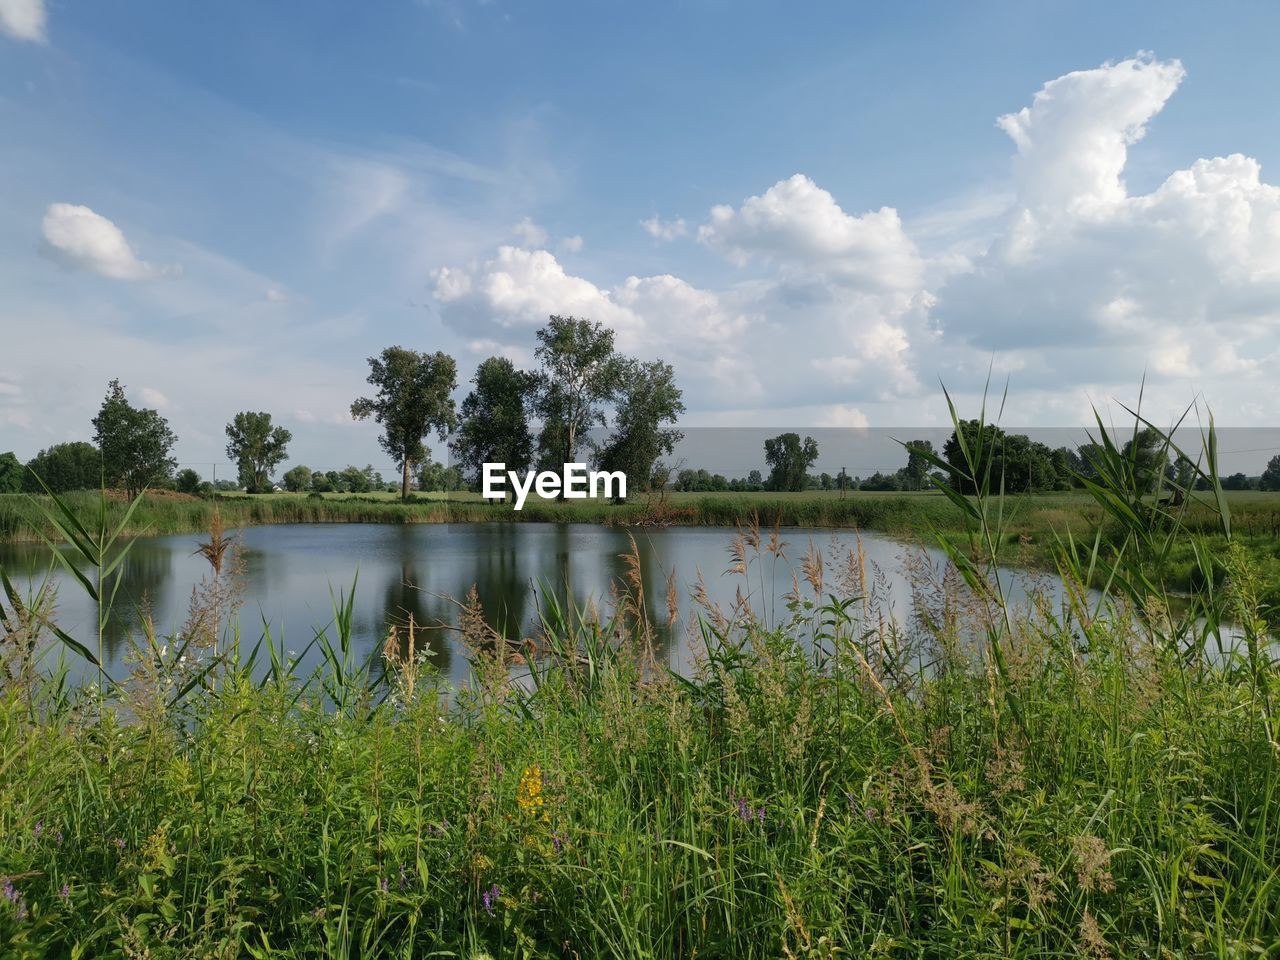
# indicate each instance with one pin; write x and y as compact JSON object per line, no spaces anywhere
{"x":411,"y":571}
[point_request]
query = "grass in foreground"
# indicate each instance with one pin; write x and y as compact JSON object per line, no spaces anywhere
{"x":989,"y":782}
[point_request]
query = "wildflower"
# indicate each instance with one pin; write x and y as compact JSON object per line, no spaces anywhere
{"x":404,"y":877}
{"x":120,"y":844}
{"x":490,"y":898}
{"x":10,"y":891}
{"x":529,"y":792}
{"x":38,"y":829}
{"x":382,"y":885}
{"x":65,"y":892}
{"x":556,"y":841}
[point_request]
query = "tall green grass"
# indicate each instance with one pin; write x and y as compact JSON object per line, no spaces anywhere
{"x":1096,"y":779}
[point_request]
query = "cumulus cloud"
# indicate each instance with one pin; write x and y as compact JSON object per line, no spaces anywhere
{"x":1089,"y":281}
{"x":664,"y":230}
{"x":79,"y":238}
{"x":1061,"y":277}
{"x":571,"y":244}
{"x":798,"y":225}
{"x":23,"y":19}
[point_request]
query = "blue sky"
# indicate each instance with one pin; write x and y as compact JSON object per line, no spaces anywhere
{"x":813,"y":213}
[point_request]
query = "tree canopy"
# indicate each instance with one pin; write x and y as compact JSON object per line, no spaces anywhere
{"x":257,"y":448}
{"x":647,"y":399}
{"x":789,"y":459}
{"x":64,"y":466}
{"x":581,"y":372}
{"x":495,"y":419}
{"x":135,"y":443}
{"x":413,"y":399}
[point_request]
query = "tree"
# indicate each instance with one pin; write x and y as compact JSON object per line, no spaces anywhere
{"x":1270,"y":479}
{"x":413,"y":399}
{"x":10,"y":473}
{"x":437,"y":478}
{"x":982,"y":447}
{"x":755,"y":481}
{"x":647,"y":399}
{"x":915,"y":475}
{"x":187,"y":481}
{"x":257,"y":449}
{"x":320,"y":482}
{"x":495,"y":419}
{"x":789,"y":460}
{"x":135,"y":443}
{"x":1237,"y":481}
{"x":63,"y":467}
{"x":1148,"y":451}
{"x":298,"y":479}
{"x":581,"y":371}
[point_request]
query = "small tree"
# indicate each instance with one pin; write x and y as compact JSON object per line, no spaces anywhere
{"x":789,"y":459}
{"x":135,"y":443}
{"x":915,"y":475}
{"x":413,"y":399}
{"x":298,"y":479}
{"x":10,"y":473}
{"x":187,"y":481}
{"x":257,"y":448}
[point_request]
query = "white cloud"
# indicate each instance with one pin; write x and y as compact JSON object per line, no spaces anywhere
{"x":9,"y":389}
{"x":1087,"y":282}
{"x":153,"y":398}
{"x":799,"y":226}
{"x":276,"y":295}
{"x":23,"y":19}
{"x":529,"y":233}
{"x":1073,"y":140}
{"x":664,"y":230}
{"x":571,"y":244}
{"x":77,"y":237}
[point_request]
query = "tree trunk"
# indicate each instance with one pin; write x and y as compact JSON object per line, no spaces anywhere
{"x":404,"y":479}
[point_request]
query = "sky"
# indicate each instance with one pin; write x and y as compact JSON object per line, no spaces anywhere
{"x":818,"y":213}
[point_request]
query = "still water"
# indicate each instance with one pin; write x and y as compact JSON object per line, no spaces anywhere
{"x":289,"y":572}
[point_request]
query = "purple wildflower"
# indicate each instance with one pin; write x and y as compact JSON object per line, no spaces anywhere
{"x":489,"y":898}
{"x":10,"y":891}
{"x":760,"y":815}
{"x":38,"y":829}
{"x":65,"y":892}
{"x":120,"y":844}
{"x":556,"y":841}
{"x":382,"y":884}
{"x":58,"y":836}
{"x":404,"y":877}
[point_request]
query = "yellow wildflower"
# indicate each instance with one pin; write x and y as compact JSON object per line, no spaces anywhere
{"x":529,"y":793}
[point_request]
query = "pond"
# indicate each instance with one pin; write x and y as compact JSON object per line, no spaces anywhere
{"x":289,"y":572}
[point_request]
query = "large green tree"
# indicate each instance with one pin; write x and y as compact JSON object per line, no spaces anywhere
{"x":789,"y":459}
{"x":135,"y":442}
{"x":11,"y":471}
{"x":257,"y":447}
{"x":581,"y":372}
{"x":915,"y":475}
{"x":647,"y":398}
{"x":63,"y":467}
{"x":413,"y":399}
{"x":494,"y":423}
{"x":1148,"y":452}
